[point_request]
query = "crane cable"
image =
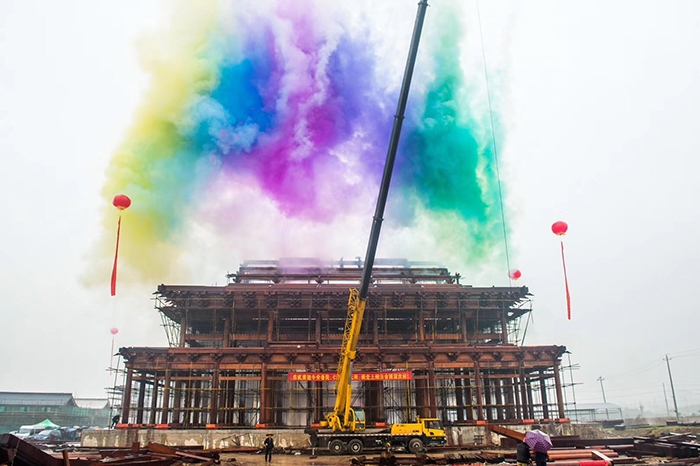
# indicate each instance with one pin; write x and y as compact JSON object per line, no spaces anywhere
{"x":495,"y":148}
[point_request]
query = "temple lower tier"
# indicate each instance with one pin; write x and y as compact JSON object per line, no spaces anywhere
{"x":288,"y":386}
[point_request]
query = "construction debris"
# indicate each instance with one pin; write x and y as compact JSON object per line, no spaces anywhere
{"x":420,"y":459}
{"x":20,"y":453}
{"x":572,"y":450}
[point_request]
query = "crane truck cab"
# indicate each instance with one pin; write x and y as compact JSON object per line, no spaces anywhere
{"x":417,"y":435}
{"x":356,"y":421}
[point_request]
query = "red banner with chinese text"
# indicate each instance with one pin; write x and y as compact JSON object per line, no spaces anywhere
{"x":356,"y":376}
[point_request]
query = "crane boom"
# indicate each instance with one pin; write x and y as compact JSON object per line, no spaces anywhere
{"x":344,"y":417}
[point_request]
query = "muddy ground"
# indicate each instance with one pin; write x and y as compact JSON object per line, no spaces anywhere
{"x":247,"y":459}
{"x":305,"y":459}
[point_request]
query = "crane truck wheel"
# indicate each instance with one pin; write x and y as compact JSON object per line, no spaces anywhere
{"x":415,"y":445}
{"x":337,"y":447}
{"x":355,"y":446}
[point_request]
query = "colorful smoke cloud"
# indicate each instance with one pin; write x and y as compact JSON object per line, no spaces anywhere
{"x":285,"y":111}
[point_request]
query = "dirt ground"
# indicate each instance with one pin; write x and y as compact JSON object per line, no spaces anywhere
{"x":282,"y":459}
{"x":246,"y":459}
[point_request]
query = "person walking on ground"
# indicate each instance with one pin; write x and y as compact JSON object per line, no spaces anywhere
{"x":269,"y":445}
{"x":540,"y":458}
{"x":523,"y":454}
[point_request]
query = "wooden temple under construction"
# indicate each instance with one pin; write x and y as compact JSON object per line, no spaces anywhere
{"x":262,"y":350}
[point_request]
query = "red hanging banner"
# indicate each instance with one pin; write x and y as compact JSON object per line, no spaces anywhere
{"x":356,"y":376}
{"x":560,"y":228}
{"x":121,"y":202}
{"x":116,"y":254}
{"x":566,"y":283}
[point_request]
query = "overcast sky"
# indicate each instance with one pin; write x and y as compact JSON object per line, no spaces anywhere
{"x":601,"y":110}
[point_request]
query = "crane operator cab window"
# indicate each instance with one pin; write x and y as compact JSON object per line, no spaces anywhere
{"x":359,"y":418}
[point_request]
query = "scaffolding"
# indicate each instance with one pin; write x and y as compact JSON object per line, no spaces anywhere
{"x":232,"y":348}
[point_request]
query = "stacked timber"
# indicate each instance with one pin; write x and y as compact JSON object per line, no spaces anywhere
{"x":613,"y":450}
{"x":675,"y":445}
{"x":578,"y":457}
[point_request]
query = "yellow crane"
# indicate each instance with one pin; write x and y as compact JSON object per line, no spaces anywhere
{"x":346,"y":421}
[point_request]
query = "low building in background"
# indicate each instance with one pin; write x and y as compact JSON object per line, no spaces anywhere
{"x":28,"y":408}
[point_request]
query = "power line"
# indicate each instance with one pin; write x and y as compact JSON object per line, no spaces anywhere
{"x":637,"y":370}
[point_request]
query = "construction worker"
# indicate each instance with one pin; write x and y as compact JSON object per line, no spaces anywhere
{"x":269,"y":446}
{"x":523,"y":454}
{"x":540,"y":458}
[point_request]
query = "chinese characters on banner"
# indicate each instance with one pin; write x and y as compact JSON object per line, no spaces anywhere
{"x":356,"y":377}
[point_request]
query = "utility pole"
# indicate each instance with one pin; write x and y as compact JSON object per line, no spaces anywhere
{"x":600,"y":379}
{"x":668,"y":411}
{"x":673,"y":390}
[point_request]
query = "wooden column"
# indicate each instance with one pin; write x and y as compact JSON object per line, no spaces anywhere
{"x":318,"y":390}
{"x":381,"y":413}
{"x":231,"y":403}
{"x":375,"y":329}
{"x":278,"y":402}
{"x":543,"y":395}
{"x":318,"y":401}
{"x":222,"y":403}
{"x":422,"y":404}
{"x":189,"y":403}
{"x":126,"y":396}
{"x":421,"y":326}
{"x":154,"y":399}
{"x":516,"y":394}
{"x":469,"y":399}
{"x":530,"y":403}
{"x":265,"y":408}
{"x":463,"y":326}
{"x":489,"y":400}
{"x":479,"y":393}
{"x":498,"y":389}
{"x":185,"y":388}
{"x":432,"y":398}
{"x":370,"y":391}
{"x":197,"y":403}
{"x":504,"y":325}
{"x":242,"y":386}
{"x":141,"y":399}
{"x":166,"y":397}
{"x":214,"y":403}
{"x":270,"y":326}
{"x":459,"y":396}
{"x":510,"y":399}
{"x":227,"y":332}
{"x":177,"y":402}
{"x":523,"y":394}
{"x":560,"y":393}
{"x":183,"y":329}
{"x":318,"y":327}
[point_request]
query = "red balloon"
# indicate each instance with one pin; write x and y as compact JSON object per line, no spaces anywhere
{"x":515,"y":274}
{"x":121,"y":202}
{"x":559,"y":228}
{"x":114,"y":330}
